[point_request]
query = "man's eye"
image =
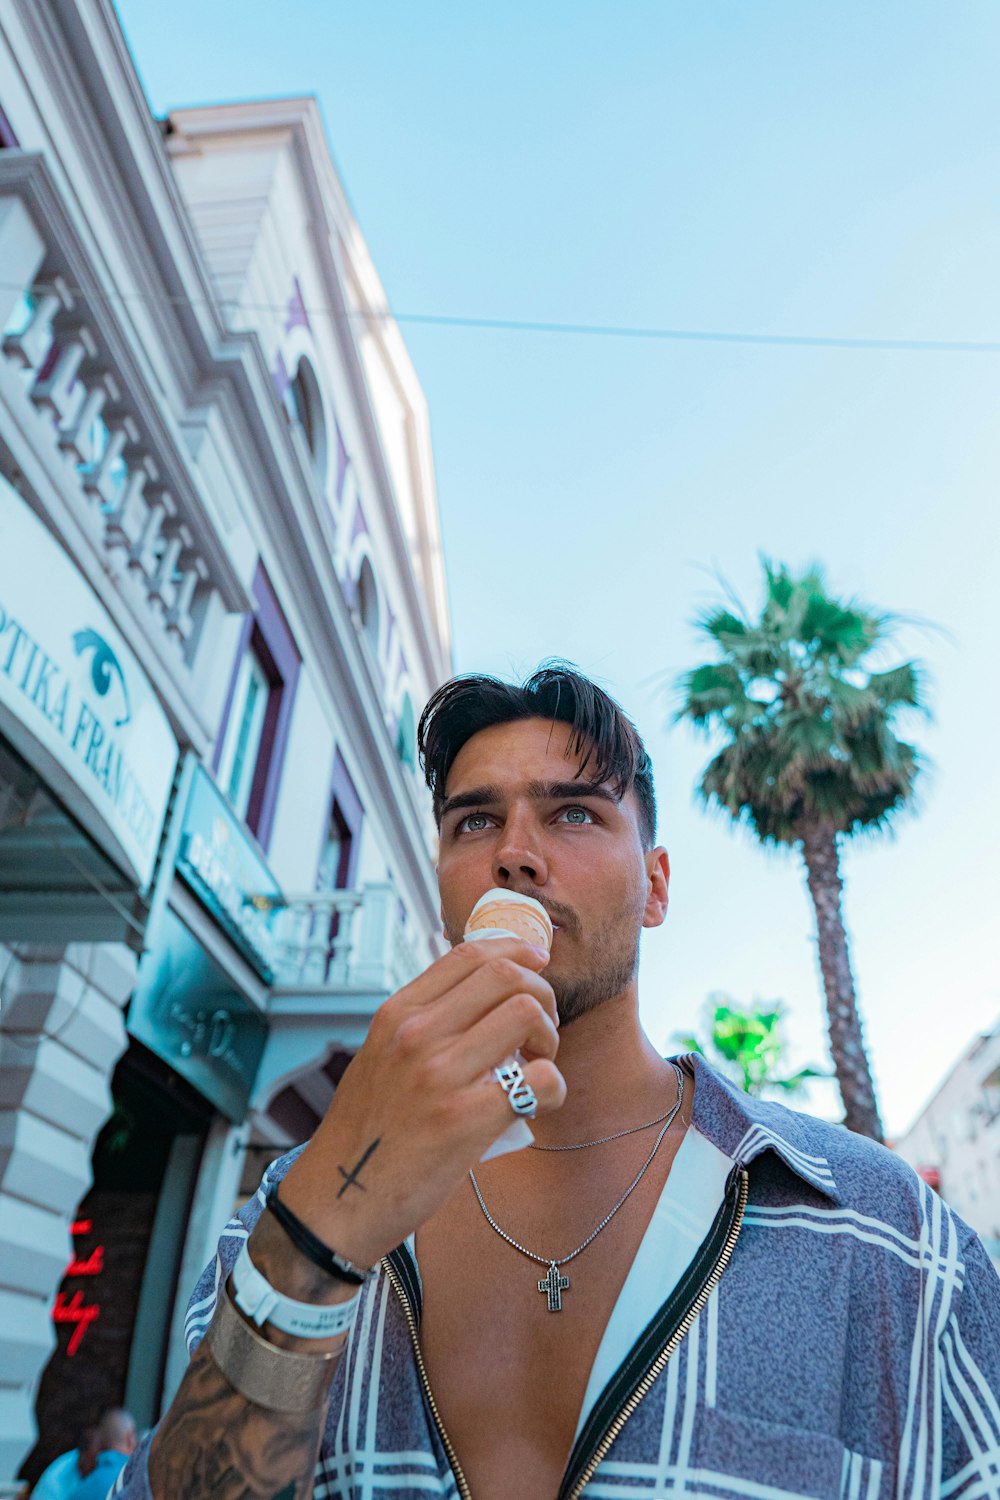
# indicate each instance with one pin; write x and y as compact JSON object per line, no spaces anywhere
{"x":578,"y":815}
{"x":474,"y":823}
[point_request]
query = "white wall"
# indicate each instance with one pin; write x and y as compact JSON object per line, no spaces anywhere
{"x":958,"y":1134}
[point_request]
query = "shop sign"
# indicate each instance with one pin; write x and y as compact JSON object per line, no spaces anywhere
{"x":222,"y":866}
{"x":73,"y":698}
{"x":186,"y":1010}
{"x":73,"y":1307}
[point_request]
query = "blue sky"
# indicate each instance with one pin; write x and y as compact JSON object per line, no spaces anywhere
{"x":783,"y":168}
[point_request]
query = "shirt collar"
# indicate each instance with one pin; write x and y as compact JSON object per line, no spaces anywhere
{"x":744,"y":1127}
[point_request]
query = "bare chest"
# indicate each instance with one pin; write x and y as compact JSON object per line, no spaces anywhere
{"x":508,"y":1343}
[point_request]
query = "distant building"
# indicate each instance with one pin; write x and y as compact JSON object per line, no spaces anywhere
{"x":222,"y":605}
{"x":954,"y":1143}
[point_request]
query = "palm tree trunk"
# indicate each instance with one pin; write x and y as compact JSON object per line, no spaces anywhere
{"x":819,"y":849}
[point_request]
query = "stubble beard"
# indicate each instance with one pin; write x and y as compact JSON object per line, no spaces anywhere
{"x":577,"y":995}
{"x":607,"y":966}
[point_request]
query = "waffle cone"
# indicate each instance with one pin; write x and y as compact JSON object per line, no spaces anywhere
{"x":521,"y":919}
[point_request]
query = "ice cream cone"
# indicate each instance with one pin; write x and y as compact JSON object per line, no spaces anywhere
{"x":508,"y":912}
{"x":503,"y":913}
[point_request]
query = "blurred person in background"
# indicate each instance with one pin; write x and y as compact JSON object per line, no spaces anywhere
{"x":117,"y":1440}
{"x":63,"y":1475}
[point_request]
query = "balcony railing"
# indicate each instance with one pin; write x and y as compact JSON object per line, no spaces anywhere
{"x":339,"y":955}
{"x":344,"y":941}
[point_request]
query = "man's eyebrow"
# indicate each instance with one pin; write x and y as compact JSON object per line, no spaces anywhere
{"x":560,"y":791}
{"x":538,"y":791}
{"x":477,"y":796}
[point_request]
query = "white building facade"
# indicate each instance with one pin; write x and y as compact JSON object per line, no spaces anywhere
{"x":954,"y":1143}
{"x":222,"y":605}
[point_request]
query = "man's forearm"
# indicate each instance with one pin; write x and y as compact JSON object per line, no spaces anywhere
{"x":214,"y":1443}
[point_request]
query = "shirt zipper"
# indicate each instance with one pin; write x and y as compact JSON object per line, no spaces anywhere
{"x":411,"y":1323}
{"x":641,"y":1390}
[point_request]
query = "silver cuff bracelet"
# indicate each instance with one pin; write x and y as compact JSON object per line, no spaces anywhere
{"x":272,"y":1378}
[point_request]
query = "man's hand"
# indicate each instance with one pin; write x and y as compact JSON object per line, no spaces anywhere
{"x":419,"y":1104}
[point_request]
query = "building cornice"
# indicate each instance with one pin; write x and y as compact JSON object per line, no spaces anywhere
{"x":299,"y":120}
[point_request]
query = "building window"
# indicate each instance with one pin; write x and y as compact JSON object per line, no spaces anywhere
{"x":7,"y":136}
{"x":250,"y":749}
{"x":238,"y":763}
{"x":335,"y":860}
{"x":342,"y":845}
{"x":338,"y":865}
{"x":304,"y":401}
{"x":406,"y":734}
{"x":368,"y":606}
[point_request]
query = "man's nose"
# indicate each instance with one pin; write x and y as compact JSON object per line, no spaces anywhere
{"x":518,"y":855}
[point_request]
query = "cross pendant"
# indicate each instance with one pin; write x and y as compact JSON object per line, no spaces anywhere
{"x":554,"y":1285}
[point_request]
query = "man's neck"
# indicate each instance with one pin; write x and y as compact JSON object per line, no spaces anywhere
{"x":614,"y":1075}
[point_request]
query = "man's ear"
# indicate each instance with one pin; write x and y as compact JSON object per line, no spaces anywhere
{"x":657,"y":895}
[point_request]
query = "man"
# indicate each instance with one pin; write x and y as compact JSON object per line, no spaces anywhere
{"x":678,"y":1289}
{"x":63,"y":1475}
{"x":116,"y":1441}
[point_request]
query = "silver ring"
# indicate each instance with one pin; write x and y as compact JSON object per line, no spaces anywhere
{"x":520,"y":1094}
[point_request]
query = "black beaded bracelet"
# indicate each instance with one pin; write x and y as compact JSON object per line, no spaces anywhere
{"x":311,"y":1246}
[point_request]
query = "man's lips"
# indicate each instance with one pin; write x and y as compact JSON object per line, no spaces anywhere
{"x":561,"y":923}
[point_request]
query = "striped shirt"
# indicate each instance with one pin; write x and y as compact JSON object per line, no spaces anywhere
{"x":836,"y":1335}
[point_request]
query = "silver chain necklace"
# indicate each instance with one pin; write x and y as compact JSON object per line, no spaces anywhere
{"x":555,"y":1284}
{"x":632,"y":1130}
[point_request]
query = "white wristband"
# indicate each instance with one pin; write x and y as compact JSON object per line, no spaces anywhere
{"x":255,"y":1296}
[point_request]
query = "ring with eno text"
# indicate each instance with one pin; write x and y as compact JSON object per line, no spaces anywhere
{"x":520,"y":1094}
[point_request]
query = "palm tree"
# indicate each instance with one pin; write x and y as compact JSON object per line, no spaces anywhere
{"x":748,"y":1046}
{"x":811,"y":756}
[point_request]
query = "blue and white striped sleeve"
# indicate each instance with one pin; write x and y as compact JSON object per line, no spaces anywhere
{"x":969,"y":1376}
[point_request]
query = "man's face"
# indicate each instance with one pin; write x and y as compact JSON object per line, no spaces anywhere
{"x":518,"y":814}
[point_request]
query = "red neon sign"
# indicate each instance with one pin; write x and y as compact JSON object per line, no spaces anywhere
{"x":73,"y":1309}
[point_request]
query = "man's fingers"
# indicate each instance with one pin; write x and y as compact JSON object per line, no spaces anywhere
{"x":518,"y":1024}
{"x":461,"y":963}
{"x":547,"y":1083}
{"x":482,"y":990}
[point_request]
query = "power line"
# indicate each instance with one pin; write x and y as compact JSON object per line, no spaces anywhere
{"x":703,"y":336}
{"x":544,"y":326}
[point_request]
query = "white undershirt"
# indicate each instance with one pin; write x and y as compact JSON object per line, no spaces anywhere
{"x":682,"y":1218}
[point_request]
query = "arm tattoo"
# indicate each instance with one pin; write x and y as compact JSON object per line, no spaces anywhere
{"x":214,"y":1444}
{"x":351,"y":1178}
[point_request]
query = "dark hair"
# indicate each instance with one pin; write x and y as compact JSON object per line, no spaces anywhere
{"x":603,"y":736}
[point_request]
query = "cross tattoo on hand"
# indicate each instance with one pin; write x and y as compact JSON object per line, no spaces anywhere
{"x":554,"y":1285}
{"x":351,"y":1178}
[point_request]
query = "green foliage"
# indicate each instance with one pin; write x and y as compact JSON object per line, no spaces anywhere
{"x":809,"y":728}
{"x":746,"y":1044}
